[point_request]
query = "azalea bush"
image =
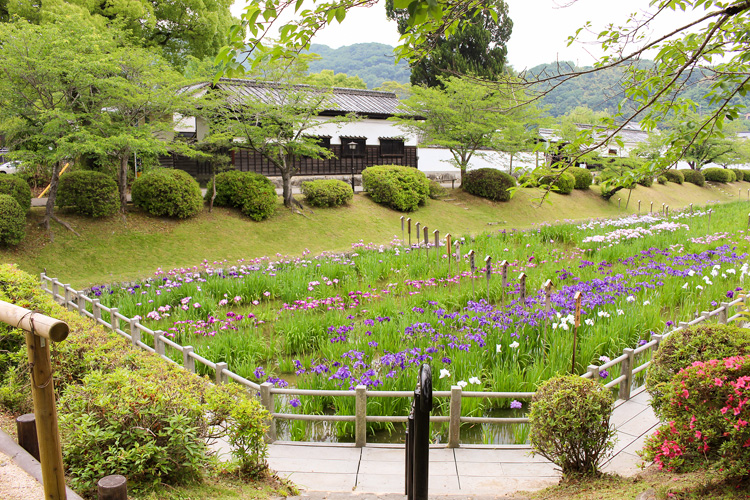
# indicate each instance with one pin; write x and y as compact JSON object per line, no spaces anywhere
{"x":166,"y":192}
{"x":401,"y":188}
{"x":372,"y":315}
{"x":706,"y":419}
{"x":489,"y":183}
{"x":12,"y":221}
{"x":88,"y":193}
{"x":327,"y":193}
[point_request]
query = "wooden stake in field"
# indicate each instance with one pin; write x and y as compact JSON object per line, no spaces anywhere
{"x":691,"y":209}
{"x":522,"y":288}
{"x":403,"y":235}
{"x":651,"y":208}
{"x":504,"y":274}
{"x":666,"y":211}
{"x":708,"y":229}
{"x":457,"y":244}
{"x":618,"y":203}
{"x":436,"y":233}
{"x":473,"y":269}
{"x":448,"y":248}
{"x":488,"y":270}
{"x":639,"y":207}
{"x":426,"y":242}
{"x":40,"y":330}
{"x":577,"y":299}
{"x":547,"y":307}
{"x":748,"y":222}
{"x":418,"y":235}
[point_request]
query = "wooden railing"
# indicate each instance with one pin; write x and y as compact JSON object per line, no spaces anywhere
{"x":111,"y":318}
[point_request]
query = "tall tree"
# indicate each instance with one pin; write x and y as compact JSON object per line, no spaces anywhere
{"x":478,"y":47}
{"x":48,"y":88}
{"x":463,"y":117}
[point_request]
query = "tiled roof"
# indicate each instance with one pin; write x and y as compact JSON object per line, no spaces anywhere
{"x":341,"y":100}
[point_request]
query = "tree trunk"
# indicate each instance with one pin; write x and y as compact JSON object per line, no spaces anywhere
{"x":51,"y":195}
{"x":122,"y":180}
{"x":510,"y":166}
{"x":286,"y":180}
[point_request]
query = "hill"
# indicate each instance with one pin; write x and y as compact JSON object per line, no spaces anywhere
{"x":373,"y":62}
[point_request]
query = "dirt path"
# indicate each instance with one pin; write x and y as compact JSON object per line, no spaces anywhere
{"x":16,"y":484}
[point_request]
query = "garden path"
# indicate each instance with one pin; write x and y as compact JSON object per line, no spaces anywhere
{"x":326,"y":471}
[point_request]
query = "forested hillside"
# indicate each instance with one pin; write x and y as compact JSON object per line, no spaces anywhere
{"x":373,"y":62}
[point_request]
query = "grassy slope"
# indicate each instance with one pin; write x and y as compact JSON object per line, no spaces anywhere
{"x":112,"y":250}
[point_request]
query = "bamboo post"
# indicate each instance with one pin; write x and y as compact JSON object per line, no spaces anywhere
{"x":473,"y":269}
{"x":426,"y":241}
{"x":403,"y":235}
{"x":691,"y":209}
{"x":504,"y":274}
{"x":667,"y":211}
{"x":40,"y":330}
{"x":457,"y":245}
{"x":651,"y":208}
{"x":708,"y":229}
{"x":436,"y":233}
{"x":418,"y":226}
{"x":639,"y":207}
{"x":548,"y":295}
{"x":488,"y":270}
{"x":522,"y":288}
{"x":577,"y":299}
{"x":408,"y":229}
{"x":448,"y":249}
{"x":618,"y":203}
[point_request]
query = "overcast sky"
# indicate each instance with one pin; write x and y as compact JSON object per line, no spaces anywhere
{"x":540,"y":28}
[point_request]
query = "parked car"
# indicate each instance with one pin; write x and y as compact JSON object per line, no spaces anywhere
{"x":10,"y":167}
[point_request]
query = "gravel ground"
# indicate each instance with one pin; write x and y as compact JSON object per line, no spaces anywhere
{"x":16,"y":484}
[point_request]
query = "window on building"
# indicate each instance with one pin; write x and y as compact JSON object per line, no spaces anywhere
{"x":612,"y":151}
{"x":353,"y":146}
{"x":391,"y":147}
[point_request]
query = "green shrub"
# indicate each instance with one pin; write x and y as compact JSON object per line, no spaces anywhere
{"x":745,"y":175}
{"x":564,"y":182}
{"x":528,"y":179}
{"x":662,"y":179}
{"x":694,"y":177}
{"x":167,"y":192}
{"x":715,"y":174}
{"x":251,"y":192}
{"x":89,"y":193}
{"x":569,"y":423}
{"x":646,"y":180}
{"x":738,"y":174}
{"x":437,"y":191}
{"x":327,"y":193}
{"x":18,"y":188}
{"x":706,"y":419}
{"x":12,"y":221}
{"x":597,"y":180}
{"x":684,"y":347}
{"x":488,"y":183}
{"x":583,"y":177}
{"x":401,"y":188}
{"x":675,"y":176}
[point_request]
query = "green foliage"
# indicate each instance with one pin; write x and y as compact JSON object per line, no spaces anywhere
{"x":12,"y":221}
{"x":645,"y":180}
{"x":167,"y":192}
{"x":582,"y":175}
{"x":253,"y":193}
{"x":89,"y":193}
{"x":732,"y":176}
{"x":327,"y":193}
{"x":372,"y":63}
{"x":684,"y":347}
{"x":326,"y":78}
{"x":145,"y":426}
{"x":528,"y":179}
{"x":489,"y":183}
{"x":704,"y":408}
{"x":694,"y":177}
{"x":15,"y":186}
{"x":401,"y":188}
{"x":437,"y":191}
{"x":562,"y":182}
{"x":675,"y":176}
{"x":716,"y":174}
{"x":662,"y":179}
{"x":745,"y":175}
{"x":569,"y":424}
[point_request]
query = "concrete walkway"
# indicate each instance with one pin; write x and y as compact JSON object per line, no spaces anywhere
{"x":476,"y":470}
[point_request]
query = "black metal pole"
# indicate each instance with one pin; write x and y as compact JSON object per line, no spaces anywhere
{"x":352,"y":165}
{"x":422,"y":409}
{"x":409,"y":456}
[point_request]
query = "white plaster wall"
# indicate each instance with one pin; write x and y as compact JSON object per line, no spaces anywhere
{"x":370,"y":128}
{"x":438,"y":160}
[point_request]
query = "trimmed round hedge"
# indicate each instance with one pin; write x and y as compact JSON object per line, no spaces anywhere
{"x":569,"y":423}
{"x":327,"y":193}
{"x":715,"y":174}
{"x":88,"y":193}
{"x":167,"y":192}
{"x":583,"y":177}
{"x":18,"y":188}
{"x":401,"y":188}
{"x":683,"y":347}
{"x":675,"y":176}
{"x":662,"y":179}
{"x":564,"y":182}
{"x":488,"y":183}
{"x":254,"y":194}
{"x":646,"y":181}
{"x":437,"y":191}
{"x":12,"y":221}
{"x":738,"y":175}
{"x":694,"y":177}
{"x":745,"y":175}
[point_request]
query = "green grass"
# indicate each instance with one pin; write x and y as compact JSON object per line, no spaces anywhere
{"x":110,"y":250}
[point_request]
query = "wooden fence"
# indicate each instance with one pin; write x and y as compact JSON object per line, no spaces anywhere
{"x":632,"y":362}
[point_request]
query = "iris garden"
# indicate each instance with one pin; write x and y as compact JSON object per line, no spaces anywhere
{"x":372,"y":315}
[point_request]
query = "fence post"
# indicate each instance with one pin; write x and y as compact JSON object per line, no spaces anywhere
{"x":658,"y":339}
{"x":27,"y":437}
{"x":724,"y":313}
{"x":627,"y":370}
{"x":594,"y":371}
{"x":81,"y":303}
{"x":187,"y":360}
{"x":55,"y":289}
{"x":68,"y":296}
{"x":220,"y":375}
{"x":96,"y":310}
{"x":43,"y":278}
{"x":454,"y":426}
{"x":683,"y":324}
{"x":135,"y":332}
{"x":266,"y":399}
{"x":113,"y":487}
{"x":113,"y":319}
{"x":360,"y":416}
{"x":159,"y":346}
